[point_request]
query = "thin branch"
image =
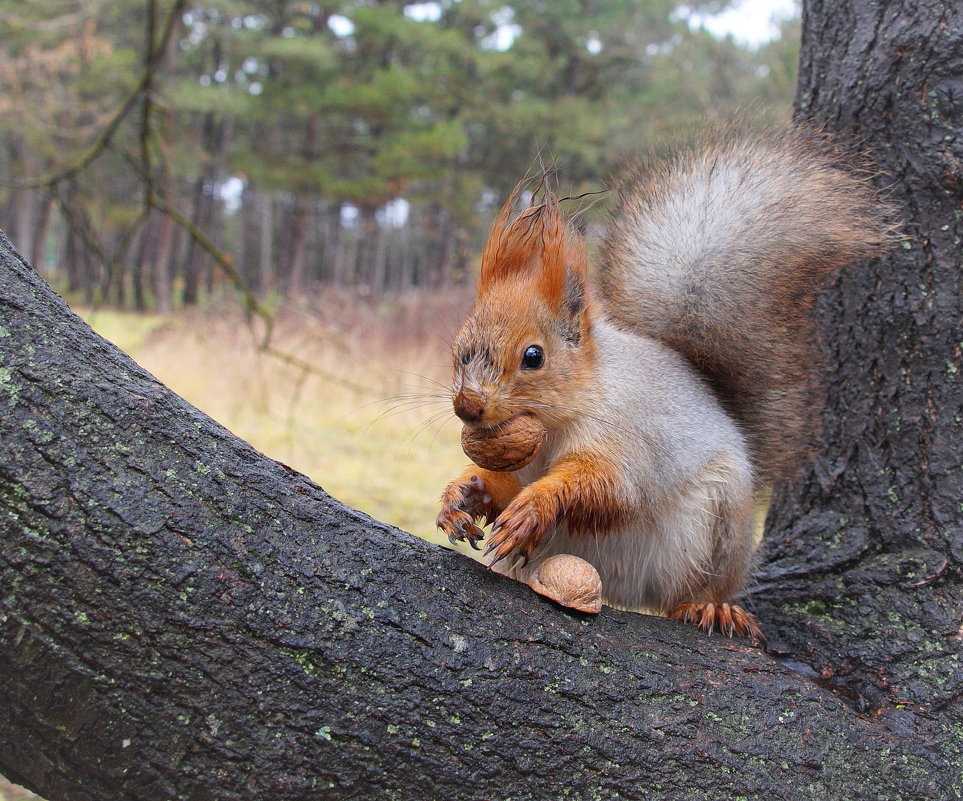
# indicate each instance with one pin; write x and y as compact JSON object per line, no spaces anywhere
{"x":143,"y":164}
{"x":307,"y":367}
{"x":147,"y":106}
{"x":106,"y":136}
{"x":223,"y":260}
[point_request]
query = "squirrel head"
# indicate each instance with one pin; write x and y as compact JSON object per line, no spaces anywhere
{"x":526,"y":347}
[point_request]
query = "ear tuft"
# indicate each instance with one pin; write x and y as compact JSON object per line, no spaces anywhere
{"x":513,"y":244}
{"x":539,"y":244}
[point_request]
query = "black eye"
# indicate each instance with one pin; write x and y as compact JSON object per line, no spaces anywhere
{"x":533,"y":357}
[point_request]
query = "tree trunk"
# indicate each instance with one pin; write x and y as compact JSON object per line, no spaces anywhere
{"x":297,"y":232}
{"x":201,"y":214}
{"x":868,"y":542}
{"x":380,"y":271}
{"x":42,"y":225}
{"x":160,"y":262}
{"x":333,"y":247}
{"x":267,"y":270}
{"x":406,"y":272}
{"x":142,"y":248}
{"x":368,"y":233}
{"x":446,"y":264}
{"x":20,"y":212}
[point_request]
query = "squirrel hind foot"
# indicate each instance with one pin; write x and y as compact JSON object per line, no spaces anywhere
{"x":727,"y":618}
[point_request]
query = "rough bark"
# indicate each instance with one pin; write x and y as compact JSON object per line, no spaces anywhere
{"x":864,"y":553}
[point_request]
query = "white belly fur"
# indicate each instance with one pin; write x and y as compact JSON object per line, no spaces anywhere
{"x":686,"y":482}
{"x":691,"y":549}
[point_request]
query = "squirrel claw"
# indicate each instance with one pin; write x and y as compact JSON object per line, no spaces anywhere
{"x":730,"y":619}
{"x":455,"y":537}
{"x":502,"y":550}
{"x":493,"y":544}
{"x":469,"y":531}
{"x":461,"y":504}
{"x":461,"y":529}
{"x":515,"y":532}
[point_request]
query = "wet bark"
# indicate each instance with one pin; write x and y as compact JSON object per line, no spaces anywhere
{"x":183,"y":617}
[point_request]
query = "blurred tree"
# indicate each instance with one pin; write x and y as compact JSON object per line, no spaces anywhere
{"x":367,"y":142}
{"x":59,"y":81}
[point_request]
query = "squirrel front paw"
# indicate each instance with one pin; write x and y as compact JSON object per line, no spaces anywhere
{"x":463,"y":502}
{"x":519,"y":529}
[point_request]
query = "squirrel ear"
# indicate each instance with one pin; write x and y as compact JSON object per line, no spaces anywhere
{"x":573,"y":316}
{"x":539,"y":243}
{"x":563,"y":268}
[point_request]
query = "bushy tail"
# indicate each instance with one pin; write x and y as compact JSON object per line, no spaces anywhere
{"x":719,"y":249}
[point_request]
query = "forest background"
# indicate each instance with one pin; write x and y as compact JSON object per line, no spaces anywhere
{"x":158,"y":568}
{"x":278,"y":207}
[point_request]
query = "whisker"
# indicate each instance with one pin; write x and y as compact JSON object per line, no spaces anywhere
{"x":405,"y":400}
{"x":409,"y":438}
{"x":427,"y":379}
{"x":439,"y":430}
{"x":404,"y":407}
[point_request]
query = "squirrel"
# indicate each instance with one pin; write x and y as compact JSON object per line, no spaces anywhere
{"x":674,"y":381}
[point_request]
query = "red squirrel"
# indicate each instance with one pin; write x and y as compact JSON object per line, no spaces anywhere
{"x":674,"y":380}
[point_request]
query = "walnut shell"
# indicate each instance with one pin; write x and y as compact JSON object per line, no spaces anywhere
{"x":570,"y":581}
{"x":508,"y":446}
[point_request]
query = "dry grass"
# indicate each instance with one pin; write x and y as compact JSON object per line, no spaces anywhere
{"x":386,"y":446}
{"x":371,"y":419}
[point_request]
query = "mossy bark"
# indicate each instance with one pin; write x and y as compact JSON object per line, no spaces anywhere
{"x":185,"y":618}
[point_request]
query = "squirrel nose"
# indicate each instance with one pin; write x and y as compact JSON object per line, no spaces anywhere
{"x":469,"y":406}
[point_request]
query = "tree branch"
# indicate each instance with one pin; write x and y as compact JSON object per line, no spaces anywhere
{"x":183,"y":617}
{"x":106,"y":136}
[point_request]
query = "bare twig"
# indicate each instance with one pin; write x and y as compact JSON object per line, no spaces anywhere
{"x":145,"y":166}
{"x":106,"y":136}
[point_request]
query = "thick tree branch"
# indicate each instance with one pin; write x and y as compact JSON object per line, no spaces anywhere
{"x":183,"y":617}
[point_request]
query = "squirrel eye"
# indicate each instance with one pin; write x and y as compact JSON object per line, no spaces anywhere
{"x":533,"y":357}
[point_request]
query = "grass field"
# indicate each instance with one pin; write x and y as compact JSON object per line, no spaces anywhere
{"x":358,"y":399}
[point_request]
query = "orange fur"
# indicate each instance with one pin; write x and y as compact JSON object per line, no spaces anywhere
{"x":477,"y":494}
{"x":730,"y":619}
{"x":537,"y":243}
{"x":711,"y":261}
{"x":502,"y":487}
{"x":533,"y":290}
{"x":585,"y":489}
